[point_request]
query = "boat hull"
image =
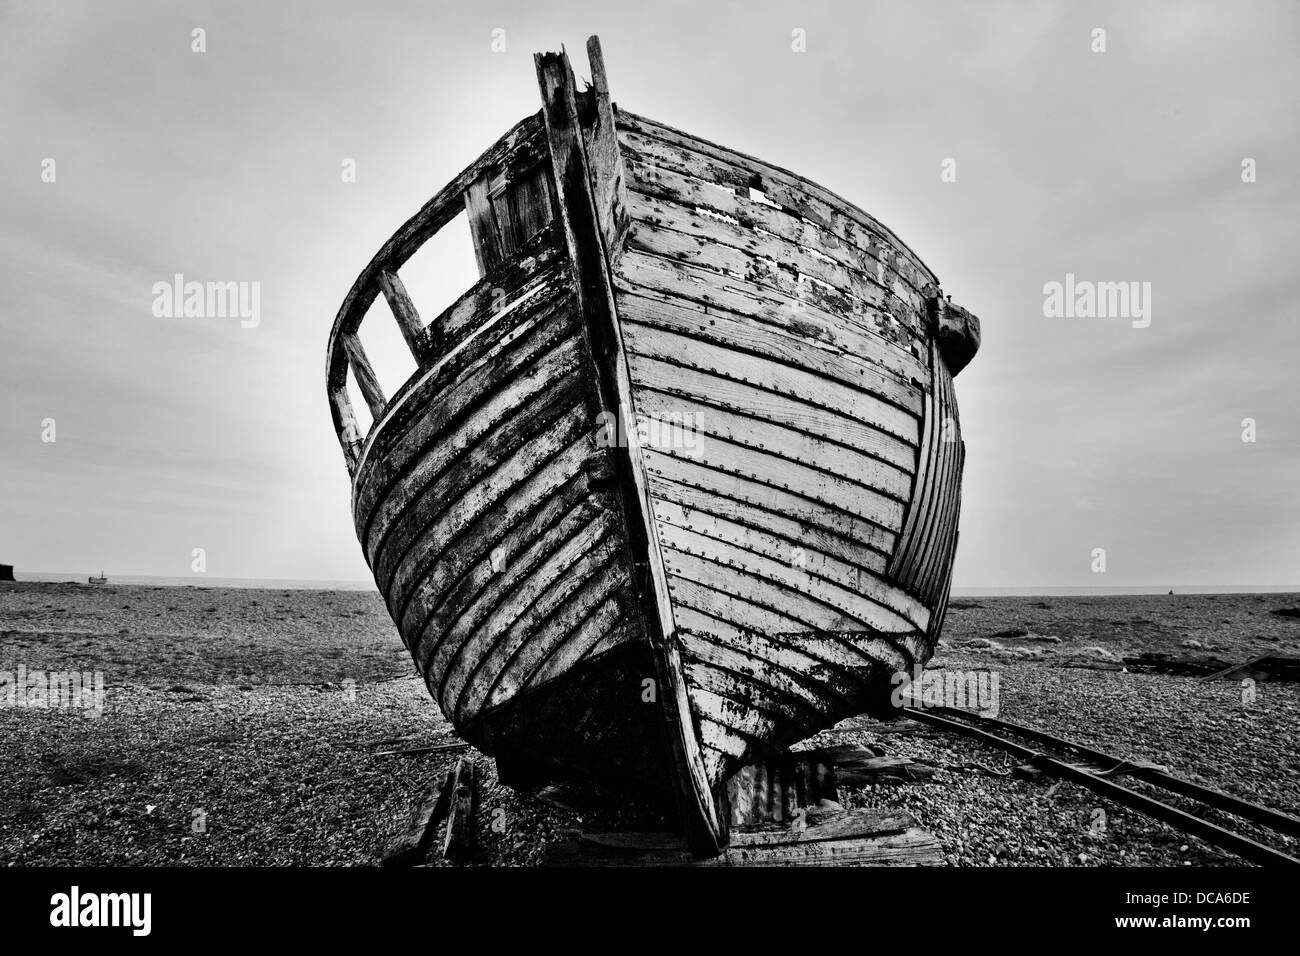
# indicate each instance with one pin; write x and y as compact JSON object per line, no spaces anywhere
{"x":677,"y":485}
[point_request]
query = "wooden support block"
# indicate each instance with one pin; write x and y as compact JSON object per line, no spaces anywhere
{"x":851,"y":838}
{"x":459,"y":844}
{"x":410,"y":845}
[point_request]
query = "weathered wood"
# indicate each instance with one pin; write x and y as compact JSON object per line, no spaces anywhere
{"x":521,"y":147}
{"x":404,"y":311}
{"x":858,"y":766}
{"x":956,"y":333}
{"x":364,"y":374}
{"x":594,"y":292}
{"x":926,"y":549}
{"x":759,"y":353}
{"x":807,"y":331}
{"x":458,"y":846}
{"x":908,"y":847}
{"x":1274,"y":666}
{"x":483,"y":228}
{"x":350,"y":436}
{"x":604,"y":157}
{"x":841,"y":825}
{"x":793,"y":193}
{"x":422,"y":751}
{"x":779,"y":790}
{"x":413,"y":842}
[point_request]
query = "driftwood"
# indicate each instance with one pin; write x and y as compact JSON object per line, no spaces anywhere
{"x":857,"y":766}
{"x":1264,"y":667}
{"x":410,"y":845}
{"x":455,"y":747}
{"x":459,"y":843}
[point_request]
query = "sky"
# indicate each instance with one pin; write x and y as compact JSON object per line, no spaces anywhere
{"x":172,"y":434}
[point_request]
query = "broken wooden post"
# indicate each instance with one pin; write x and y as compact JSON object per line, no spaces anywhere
{"x":410,"y":845}
{"x":459,"y":844}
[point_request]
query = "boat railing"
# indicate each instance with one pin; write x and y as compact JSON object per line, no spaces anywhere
{"x":506,"y":197}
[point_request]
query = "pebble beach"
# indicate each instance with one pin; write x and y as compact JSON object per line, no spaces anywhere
{"x":263,"y":727}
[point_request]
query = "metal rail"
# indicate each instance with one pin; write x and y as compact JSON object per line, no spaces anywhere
{"x":972,"y":725}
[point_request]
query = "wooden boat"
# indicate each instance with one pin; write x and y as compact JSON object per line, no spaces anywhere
{"x":676,"y":484}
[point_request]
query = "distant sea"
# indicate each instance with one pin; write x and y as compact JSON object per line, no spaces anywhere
{"x":286,"y":584}
{"x":196,"y":581}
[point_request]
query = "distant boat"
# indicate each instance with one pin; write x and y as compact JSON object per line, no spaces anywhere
{"x":6,"y":572}
{"x":676,"y":484}
{"x":99,"y":580}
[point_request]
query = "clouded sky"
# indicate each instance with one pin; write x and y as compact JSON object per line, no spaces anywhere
{"x":174,"y":433}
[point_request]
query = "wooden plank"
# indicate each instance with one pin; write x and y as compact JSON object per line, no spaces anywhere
{"x":531,"y":501}
{"x":529,"y":403}
{"x":548,"y":388}
{"x":667,"y":220}
{"x":689,"y":323}
{"x":587,"y":587}
{"x":412,"y":843}
{"x":823,"y":603}
{"x":461,"y":649}
{"x":795,"y":504}
{"x":459,"y":843}
{"x":662,"y":182}
{"x":911,"y":847}
{"x":795,"y":534}
{"x":488,"y":251}
{"x":793,"y":383}
{"x":870,"y":336}
{"x":408,"y":319}
{"x":475,"y":484}
{"x":797,"y":195}
{"x":819,"y":488}
{"x":847,"y":824}
{"x":500,"y":373}
{"x":506,"y":538}
{"x":780,"y":677}
{"x":819,"y":569}
{"x":364,"y":374}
